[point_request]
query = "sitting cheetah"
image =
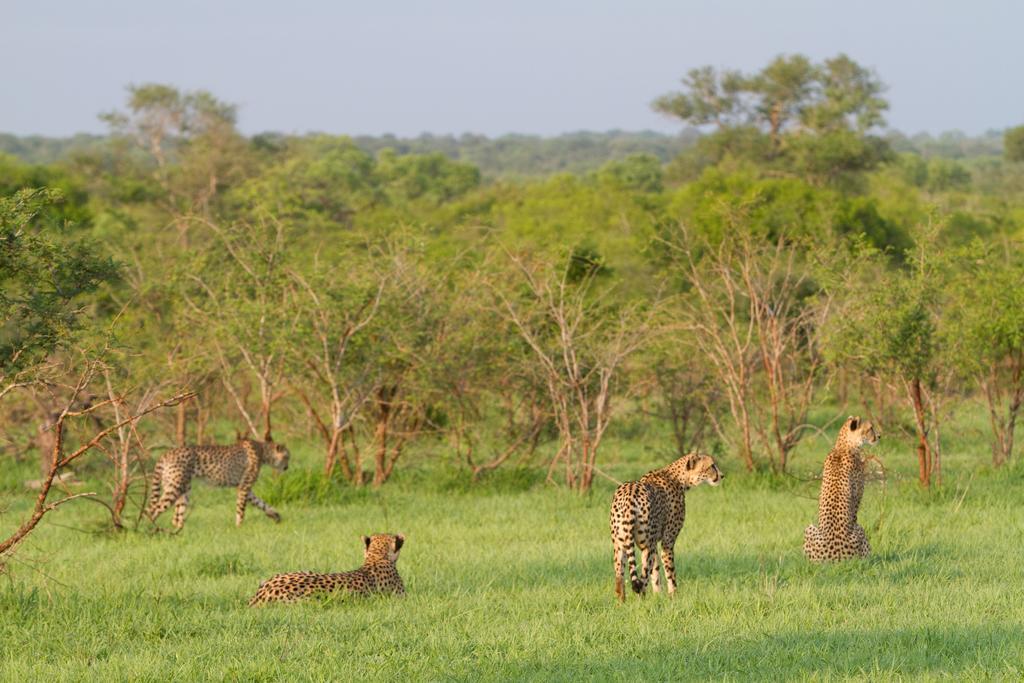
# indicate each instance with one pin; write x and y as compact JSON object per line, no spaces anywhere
{"x":377,"y":575}
{"x":237,"y":465}
{"x":652,"y":511}
{"x":837,"y":535}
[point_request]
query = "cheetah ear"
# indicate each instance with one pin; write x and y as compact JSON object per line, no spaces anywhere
{"x":854,"y":421}
{"x":366,"y":542}
{"x":691,"y":462}
{"x":399,"y":542}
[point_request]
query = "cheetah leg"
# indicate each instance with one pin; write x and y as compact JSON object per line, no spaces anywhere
{"x":620,"y":560}
{"x":243,"y":498}
{"x":668,"y":563}
{"x":635,"y":581}
{"x":649,"y":556}
{"x":812,"y":544}
{"x":180,"y":505}
{"x":650,"y":560}
{"x":168,"y":497}
{"x":861,"y":541}
{"x":258,"y":502}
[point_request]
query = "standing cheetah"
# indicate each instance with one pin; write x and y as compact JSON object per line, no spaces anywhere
{"x":237,"y":465}
{"x":377,"y":575}
{"x":837,"y":536}
{"x":652,"y":511}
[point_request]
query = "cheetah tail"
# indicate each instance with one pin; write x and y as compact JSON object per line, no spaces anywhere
{"x":638,"y":584}
{"x":154,"y":489}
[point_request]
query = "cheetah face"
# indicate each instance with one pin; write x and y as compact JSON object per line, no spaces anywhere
{"x":703,"y":469}
{"x":383,"y":547}
{"x":280,"y":457}
{"x":856,"y":433}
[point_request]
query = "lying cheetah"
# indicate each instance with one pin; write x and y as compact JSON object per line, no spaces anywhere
{"x":237,"y":465}
{"x":837,"y":536}
{"x":652,"y":511}
{"x":377,"y":575}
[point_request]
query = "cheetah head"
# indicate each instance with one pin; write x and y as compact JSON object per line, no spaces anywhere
{"x":383,"y":547}
{"x":279,"y":457}
{"x":857,"y":432}
{"x":702,"y":469}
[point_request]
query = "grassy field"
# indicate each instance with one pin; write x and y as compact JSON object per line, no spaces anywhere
{"x":512,"y":580}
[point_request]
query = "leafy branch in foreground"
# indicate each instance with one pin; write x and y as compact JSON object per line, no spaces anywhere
{"x":61,"y":460}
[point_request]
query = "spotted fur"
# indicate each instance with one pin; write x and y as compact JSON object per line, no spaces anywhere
{"x":650,"y":512}
{"x":377,"y":575}
{"x":237,"y":465}
{"x":837,"y":536}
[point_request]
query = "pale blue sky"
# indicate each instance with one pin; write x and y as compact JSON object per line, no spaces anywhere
{"x":453,"y":66}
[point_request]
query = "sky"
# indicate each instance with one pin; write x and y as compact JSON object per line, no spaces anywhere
{"x":521,"y":66}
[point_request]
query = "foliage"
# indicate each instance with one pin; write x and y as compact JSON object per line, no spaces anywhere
{"x":812,"y":119}
{"x":988,"y":317}
{"x":1013,"y":144}
{"x":349,"y":290}
{"x":890,"y":326}
{"x":43,"y":279}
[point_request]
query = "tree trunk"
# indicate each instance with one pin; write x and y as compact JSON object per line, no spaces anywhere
{"x":923,"y":451}
{"x":332,"y":453}
{"x":380,"y":437}
{"x":202,"y":417}
{"x":181,"y":424}
{"x":46,"y":438}
{"x":120,"y":497}
{"x":776,"y":116}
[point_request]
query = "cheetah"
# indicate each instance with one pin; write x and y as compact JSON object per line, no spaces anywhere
{"x":377,"y":575}
{"x":837,"y":536}
{"x":652,"y":511}
{"x":237,"y":465}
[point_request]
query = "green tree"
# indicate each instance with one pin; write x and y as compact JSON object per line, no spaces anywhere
{"x":579,"y":343}
{"x":1013,"y":144}
{"x":817,"y":118}
{"x":44,"y":279}
{"x":783,"y":89}
{"x":709,"y":97}
{"x":194,"y":148}
{"x":988,"y":314}
{"x":889,"y":325}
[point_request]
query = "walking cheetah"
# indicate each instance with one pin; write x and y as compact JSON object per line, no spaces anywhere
{"x":237,"y":465}
{"x":652,"y":511}
{"x":837,"y":536}
{"x":377,"y":575}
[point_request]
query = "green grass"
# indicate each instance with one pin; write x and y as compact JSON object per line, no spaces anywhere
{"x":513,"y":581}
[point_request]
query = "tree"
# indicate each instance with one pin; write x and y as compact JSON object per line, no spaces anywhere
{"x":1013,"y":144}
{"x":988,"y":316}
{"x":755,"y":313}
{"x":709,"y":97}
{"x":682,"y":386}
{"x":238,"y":294}
{"x":408,"y":337}
{"x":849,"y":98}
{"x":42,"y":282}
{"x":45,"y":277}
{"x":494,"y":405}
{"x":336,"y":306}
{"x":890,"y":326}
{"x":60,"y":458}
{"x":191,"y":139}
{"x":815,"y":118}
{"x":579,"y":343}
{"x":783,"y":89}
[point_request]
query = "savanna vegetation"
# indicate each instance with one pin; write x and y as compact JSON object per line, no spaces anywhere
{"x":471,"y":341}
